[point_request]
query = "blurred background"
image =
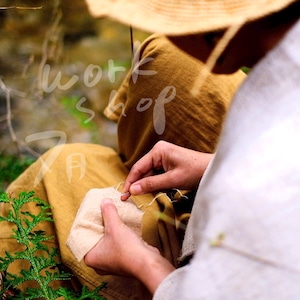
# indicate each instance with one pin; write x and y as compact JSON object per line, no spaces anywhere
{"x":58,"y":68}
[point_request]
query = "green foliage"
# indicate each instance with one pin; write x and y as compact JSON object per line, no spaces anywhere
{"x":245,"y":70}
{"x":11,"y":167}
{"x":71,"y":105}
{"x":43,"y":262}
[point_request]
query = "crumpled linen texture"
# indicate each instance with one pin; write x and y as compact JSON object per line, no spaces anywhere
{"x":88,"y":227}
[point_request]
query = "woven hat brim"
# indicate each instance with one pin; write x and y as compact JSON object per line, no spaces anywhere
{"x":184,"y":16}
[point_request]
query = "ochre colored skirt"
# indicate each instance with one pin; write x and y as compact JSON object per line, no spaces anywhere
{"x":64,"y":174}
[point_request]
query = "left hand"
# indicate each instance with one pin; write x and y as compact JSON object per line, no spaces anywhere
{"x":183,"y":169}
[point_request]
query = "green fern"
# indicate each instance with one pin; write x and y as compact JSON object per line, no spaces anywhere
{"x":44,"y":267}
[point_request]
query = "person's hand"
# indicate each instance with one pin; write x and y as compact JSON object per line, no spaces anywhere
{"x":182,"y":169}
{"x":122,"y":252}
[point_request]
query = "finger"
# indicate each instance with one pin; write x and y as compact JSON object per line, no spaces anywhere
{"x":153,"y":184}
{"x":110,"y":214}
{"x":126,"y":193}
{"x":142,"y":168}
{"x":125,"y":196}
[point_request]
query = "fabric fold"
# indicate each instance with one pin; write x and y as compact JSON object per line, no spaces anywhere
{"x":88,"y":227}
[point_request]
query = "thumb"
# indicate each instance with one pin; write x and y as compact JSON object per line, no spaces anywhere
{"x":109,"y":213}
{"x":151,"y":184}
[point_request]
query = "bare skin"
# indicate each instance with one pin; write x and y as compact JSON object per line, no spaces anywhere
{"x":183,"y":168}
{"x":129,"y":261}
{"x":252,"y":42}
{"x":115,"y":254}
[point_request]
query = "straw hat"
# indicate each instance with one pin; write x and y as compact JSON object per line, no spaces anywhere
{"x":175,"y":17}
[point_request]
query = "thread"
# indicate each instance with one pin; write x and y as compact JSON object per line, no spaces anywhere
{"x":160,"y":215}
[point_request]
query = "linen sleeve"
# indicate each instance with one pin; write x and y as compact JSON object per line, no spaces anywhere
{"x":248,"y":247}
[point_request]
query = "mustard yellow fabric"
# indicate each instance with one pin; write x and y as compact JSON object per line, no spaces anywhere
{"x":64,"y":174}
{"x":77,"y":169}
{"x":141,"y":109}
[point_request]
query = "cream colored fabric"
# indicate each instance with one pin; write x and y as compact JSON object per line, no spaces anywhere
{"x":184,"y":16}
{"x":88,"y":227}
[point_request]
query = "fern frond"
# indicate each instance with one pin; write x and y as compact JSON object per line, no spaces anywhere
{"x":4,"y":198}
{"x":44,"y":262}
{"x":86,"y":294}
{"x":32,"y":293}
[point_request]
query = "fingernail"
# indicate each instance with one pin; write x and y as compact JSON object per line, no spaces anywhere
{"x":106,"y":201}
{"x":136,"y":189}
{"x":125,"y":196}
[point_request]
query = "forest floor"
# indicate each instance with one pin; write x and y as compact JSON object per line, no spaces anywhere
{"x":47,"y":93}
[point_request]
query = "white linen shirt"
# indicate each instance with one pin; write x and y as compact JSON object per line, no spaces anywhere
{"x":250,"y":194}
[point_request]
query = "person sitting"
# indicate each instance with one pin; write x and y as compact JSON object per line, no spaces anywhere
{"x":243,"y":230}
{"x":147,"y":108}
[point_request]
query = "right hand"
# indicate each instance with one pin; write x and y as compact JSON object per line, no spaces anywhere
{"x":182,"y":169}
{"x":122,"y":252}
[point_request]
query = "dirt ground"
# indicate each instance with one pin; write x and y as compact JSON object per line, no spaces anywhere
{"x":55,"y":62}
